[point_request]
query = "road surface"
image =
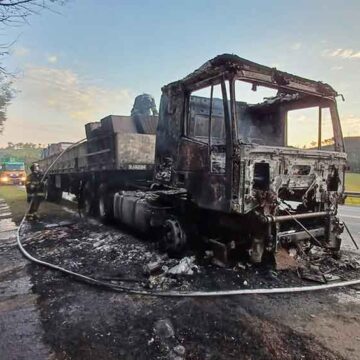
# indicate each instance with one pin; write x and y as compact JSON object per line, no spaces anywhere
{"x":351,"y":216}
{"x":44,"y":315}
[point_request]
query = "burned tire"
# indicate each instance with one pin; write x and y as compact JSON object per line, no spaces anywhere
{"x":105,"y":205}
{"x":87,"y":206}
{"x":57,"y":195}
{"x":88,"y":200}
{"x":173,"y":238}
{"x":46,"y":192}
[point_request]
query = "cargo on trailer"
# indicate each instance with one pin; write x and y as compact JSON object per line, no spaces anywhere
{"x":235,"y":156}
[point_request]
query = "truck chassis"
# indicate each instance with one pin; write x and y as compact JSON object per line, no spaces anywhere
{"x":198,"y":172}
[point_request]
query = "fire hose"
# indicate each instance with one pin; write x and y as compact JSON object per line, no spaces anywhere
{"x":170,"y":293}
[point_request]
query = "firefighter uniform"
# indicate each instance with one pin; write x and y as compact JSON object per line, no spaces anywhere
{"x":34,"y":190}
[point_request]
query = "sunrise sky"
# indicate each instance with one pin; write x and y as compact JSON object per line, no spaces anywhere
{"x":90,"y":58}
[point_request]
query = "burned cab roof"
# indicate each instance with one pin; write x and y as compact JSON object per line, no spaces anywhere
{"x":230,"y":64}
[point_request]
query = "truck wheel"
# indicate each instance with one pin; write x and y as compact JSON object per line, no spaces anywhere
{"x":105,"y":205}
{"x":88,"y":204}
{"x":52,"y":193}
{"x":87,"y":200}
{"x":173,"y":239}
{"x":46,"y":191}
{"x":57,"y":195}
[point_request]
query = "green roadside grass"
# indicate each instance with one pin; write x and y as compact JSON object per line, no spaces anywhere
{"x":352,"y":183}
{"x":15,"y":197}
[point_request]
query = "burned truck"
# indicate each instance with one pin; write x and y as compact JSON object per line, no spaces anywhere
{"x":117,"y":153}
{"x":238,"y":163}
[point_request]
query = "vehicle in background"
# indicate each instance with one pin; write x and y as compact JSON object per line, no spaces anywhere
{"x":232,"y":161}
{"x":12,"y":173}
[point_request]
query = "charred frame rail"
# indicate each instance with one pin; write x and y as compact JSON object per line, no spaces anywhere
{"x":281,"y":218}
{"x":294,"y":235}
{"x":352,"y":194}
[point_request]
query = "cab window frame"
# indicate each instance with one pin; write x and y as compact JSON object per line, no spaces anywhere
{"x":186,"y":128}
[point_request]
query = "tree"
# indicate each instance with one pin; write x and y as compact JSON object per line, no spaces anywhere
{"x":6,"y":94}
{"x":17,"y":11}
{"x":13,"y":12}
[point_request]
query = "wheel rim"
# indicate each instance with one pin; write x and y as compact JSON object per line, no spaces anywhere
{"x":87,"y":206}
{"x":174,"y":237}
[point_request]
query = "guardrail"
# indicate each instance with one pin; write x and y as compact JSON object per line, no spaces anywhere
{"x":355,"y":194}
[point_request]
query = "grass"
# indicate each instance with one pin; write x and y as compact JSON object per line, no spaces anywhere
{"x":15,"y":197}
{"x":352,"y":183}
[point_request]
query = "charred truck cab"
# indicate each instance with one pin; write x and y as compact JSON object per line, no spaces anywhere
{"x":246,"y":184}
{"x":241,"y":173}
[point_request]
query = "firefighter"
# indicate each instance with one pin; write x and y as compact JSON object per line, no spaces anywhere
{"x":34,"y":190}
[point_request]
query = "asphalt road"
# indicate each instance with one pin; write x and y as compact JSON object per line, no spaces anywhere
{"x":44,"y":315}
{"x":351,"y":216}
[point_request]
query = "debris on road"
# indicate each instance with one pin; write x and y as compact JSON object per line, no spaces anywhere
{"x":109,"y":254}
{"x":112,"y":255}
{"x":164,"y":329}
{"x":179,"y":350}
{"x":286,"y":260}
{"x":330,"y":277}
{"x":312,"y":275}
{"x":59,"y":224}
{"x":186,"y":266}
{"x":240,"y":265}
{"x":152,"y":267}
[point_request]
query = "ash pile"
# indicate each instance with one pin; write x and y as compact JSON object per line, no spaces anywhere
{"x":113,"y":255}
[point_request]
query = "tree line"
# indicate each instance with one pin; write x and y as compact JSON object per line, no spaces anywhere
{"x":26,"y":152}
{"x":20,"y":145}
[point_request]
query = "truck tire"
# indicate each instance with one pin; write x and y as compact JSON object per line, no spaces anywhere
{"x":88,"y":200}
{"x":46,"y":191}
{"x":105,"y":204}
{"x":88,"y":204}
{"x":52,"y":193}
{"x":173,"y":239}
{"x":57,"y":195}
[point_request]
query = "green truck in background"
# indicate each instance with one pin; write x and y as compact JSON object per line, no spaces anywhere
{"x":12,"y":172}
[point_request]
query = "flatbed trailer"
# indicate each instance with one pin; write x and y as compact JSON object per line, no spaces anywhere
{"x":218,"y":168}
{"x":114,"y":155}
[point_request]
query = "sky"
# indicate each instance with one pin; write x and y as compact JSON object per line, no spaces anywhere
{"x":90,"y":58}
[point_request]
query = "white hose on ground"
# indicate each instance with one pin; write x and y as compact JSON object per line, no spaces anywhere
{"x":182,"y":293}
{"x":125,"y":289}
